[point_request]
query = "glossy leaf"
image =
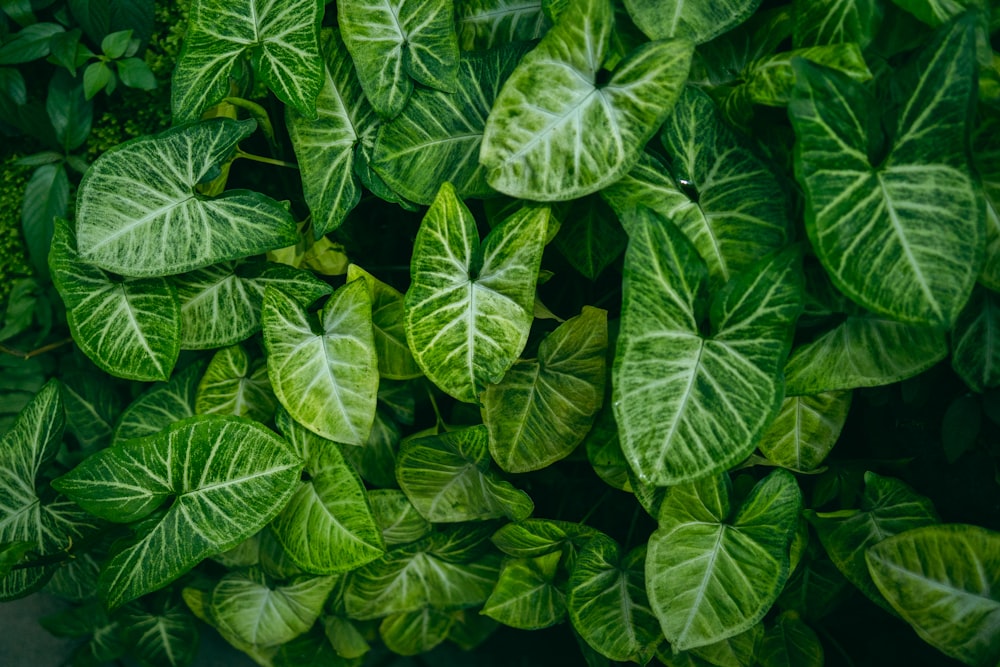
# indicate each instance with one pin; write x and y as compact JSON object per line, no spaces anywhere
{"x":327,"y":379}
{"x":554,"y":133}
{"x":532,"y":538}
{"x":526,"y":596}
{"x":805,"y":430}
{"x":448,"y":478}
{"x":819,"y":22}
{"x":486,"y":24}
{"x":227,"y":476}
{"x":697,"y":21}
{"x":395,"y":361}
{"x":470,"y":304}
{"x":689,"y":404}
{"x":790,"y":642}
{"x":161,"y":405}
{"x":232,"y":386}
{"x":396,"y":516}
{"x":414,"y":632}
{"x":710,"y":576}
{"x":277,"y":39}
{"x":138,"y":213}
{"x":975,"y":341}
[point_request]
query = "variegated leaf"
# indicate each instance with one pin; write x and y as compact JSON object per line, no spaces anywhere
{"x":161,"y":405}
{"x":395,"y":361}
{"x":233,"y":386}
{"x":691,"y":19}
{"x":486,"y":24}
{"x":805,"y":429}
{"x":526,"y":595}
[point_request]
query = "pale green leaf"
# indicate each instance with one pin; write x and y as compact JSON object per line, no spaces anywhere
{"x":413,"y":632}
{"x":689,"y":402}
{"x":469,"y":306}
{"x":395,"y":361}
{"x":128,"y":327}
{"x":543,"y":408}
{"x":326,"y":378}
{"x":975,"y":341}
{"x":161,"y":405}
{"x":227,"y":476}
{"x":526,"y":596}
{"x":448,"y":478}
{"x":790,"y":643}
{"x":277,"y":39}
{"x":395,"y":43}
{"x":345,"y":637}
{"x":396,"y":516}
{"x":943,"y":580}
{"x":162,"y":632}
{"x":710,"y":576}
{"x":232,"y":385}
{"x":736,"y":651}
{"x":532,"y":538}
{"x":138,"y":214}
{"x":805,"y":430}
{"x":691,"y":19}
{"x":590,"y":236}
{"x":486,"y":24}
{"x":820,"y":22}
{"x":555,"y":133}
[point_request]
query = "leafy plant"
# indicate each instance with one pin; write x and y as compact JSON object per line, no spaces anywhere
{"x":664,"y":331}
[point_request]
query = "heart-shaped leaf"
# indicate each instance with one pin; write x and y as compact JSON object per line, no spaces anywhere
{"x":232,"y":386}
{"x":819,"y":22}
{"x":415,"y":632}
{"x":277,"y":39}
{"x":327,"y":380}
{"x":395,"y":361}
{"x":526,"y":596}
{"x":697,"y":21}
{"x":161,"y":405}
{"x":554,"y":133}
{"x":790,"y":642}
{"x":227,"y":477}
{"x":397,"y":518}
{"x":805,"y":429}
{"x":138,"y":214}
{"x":469,"y":306}
{"x":485,"y":24}
{"x":975,"y":341}
{"x":164,"y":633}
{"x":689,"y":403}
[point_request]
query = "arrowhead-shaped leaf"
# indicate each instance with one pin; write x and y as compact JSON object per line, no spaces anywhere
{"x":277,"y":39}
{"x":395,"y":361}
{"x":554,"y":133}
{"x":526,"y":596}
{"x":397,"y":518}
{"x":326,"y":379}
{"x":469,"y":306}
{"x":805,"y":430}
{"x":163,"y":633}
{"x":138,"y":214}
{"x":485,"y":24}
{"x":697,"y":21}
{"x":790,"y":642}
{"x":819,"y":22}
{"x":688,"y":403}
{"x":233,"y":386}
{"x":975,"y":341}
{"x":161,"y":405}
{"x":227,"y":477}
{"x":414,"y":632}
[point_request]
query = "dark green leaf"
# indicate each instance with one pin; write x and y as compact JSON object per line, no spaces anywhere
{"x":45,"y":198}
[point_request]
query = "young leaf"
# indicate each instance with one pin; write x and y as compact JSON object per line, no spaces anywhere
{"x":697,"y":21}
{"x":138,"y":213}
{"x":486,"y":24}
{"x":469,"y":306}
{"x":555,"y":133}
{"x":227,"y":476}
{"x":160,"y":406}
{"x":395,"y":361}
{"x":327,"y":380}
{"x":542,"y":409}
{"x":805,"y":430}
{"x":790,"y":642}
{"x":690,"y":404}
{"x":975,"y":341}
{"x":413,"y":632}
{"x":231,"y":386}
{"x":279,"y":39}
{"x":698,"y":554}
{"x":526,"y":596}
{"x":943,"y":581}
{"x":396,"y":516}
{"x":448,"y":479}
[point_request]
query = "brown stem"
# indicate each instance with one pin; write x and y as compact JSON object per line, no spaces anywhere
{"x":34,"y":353}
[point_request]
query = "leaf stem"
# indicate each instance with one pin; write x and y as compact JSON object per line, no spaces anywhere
{"x":34,"y":353}
{"x":266,"y":160}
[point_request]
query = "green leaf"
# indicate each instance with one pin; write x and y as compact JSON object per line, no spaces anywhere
{"x":395,"y":361}
{"x":526,"y":596}
{"x":326,"y":379}
{"x":327,"y":526}
{"x":816,"y":587}
{"x":605,"y":452}
{"x":986,"y":159}
{"x":328,"y":144}
{"x":227,"y":477}
{"x":888,"y":507}
{"x":974,"y":341}
{"x":45,"y":198}
{"x":712,"y":574}
{"x":543,"y":408}
{"x":437,"y":135}
{"x":92,"y":406}
{"x":790,"y":642}
{"x":486,"y":24}
{"x":280,"y":40}
{"x":805,"y":430}
{"x":943,"y":581}
{"x":29,"y":43}
{"x":141,"y":193}
{"x":864,"y":350}
{"x":868,"y":218}
{"x":394,"y":43}
{"x":469,"y":306}
{"x":448,"y":478}
{"x":555,"y":133}
{"x":413,"y":632}
{"x":689,"y":404}
{"x":590,"y":236}
{"x":129,"y":327}
{"x":690,"y":19}
{"x":160,"y":406}
{"x":71,"y":114}
{"x":736,"y":651}
{"x":820,"y":22}
{"x":164,"y":634}
{"x":232,"y":386}
{"x":396,"y":516}
{"x":135,"y":73}
{"x":608,"y":605}
{"x":104,"y":637}
{"x":13,"y":553}
{"x":97,"y":77}
{"x":375,"y":460}
{"x":114,"y":44}
{"x":936,"y":12}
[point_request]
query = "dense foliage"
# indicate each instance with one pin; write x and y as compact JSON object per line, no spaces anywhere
{"x":666,"y":331}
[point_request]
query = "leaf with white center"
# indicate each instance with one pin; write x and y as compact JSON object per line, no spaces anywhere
{"x":128,"y":327}
{"x":790,"y":642}
{"x":248,"y":606}
{"x":917,"y":216}
{"x":161,"y":405}
{"x":888,"y":507}
{"x":327,"y":146}
{"x":395,"y":361}
{"x":327,"y":527}
{"x":526,"y":596}
{"x":486,"y":24}
{"x":220,"y":304}
{"x":819,"y":22}
{"x":161,"y":631}
{"x":278,"y":40}
{"x":414,"y":632}
{"x":396,"y":516}
{"x":448,"y":478}
{"x":470,"y":304}
{"x":437,"y":136}
{"x":944,"y":582}
{"x":395,"y":43}
{"x":712,"y":573}
{"x":986,"y":158}
{"x":690,"y":19}
{"x":864,"y":350}
{"x":805,"y":430}
{"x":227,"y":477}
{"x":555,"y":133}
{"x":326,"y":378}
{"x":975,"y":341}
{"x":233,"y":386}
{"x":608,"y":605}
{"x":542,"y":409}
{"x":590,"y":236}
{"x":691,"y":403}
{"x":138,"y":213}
